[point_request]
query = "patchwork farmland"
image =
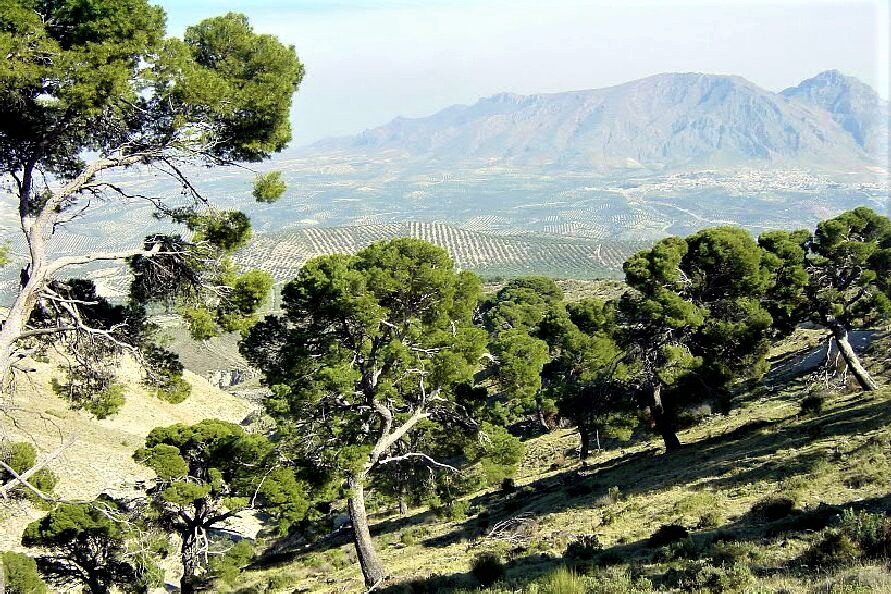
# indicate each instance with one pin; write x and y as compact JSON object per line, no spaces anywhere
{"x":282,"y":254}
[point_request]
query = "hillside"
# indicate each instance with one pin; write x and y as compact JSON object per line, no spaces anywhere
{"x":672,"y":120}
{"x":755,"y":489}
{"x":97,"y":458}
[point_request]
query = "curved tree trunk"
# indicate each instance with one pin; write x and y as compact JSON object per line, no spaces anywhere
{"x":865,"y":380}
{"x":18,"y":314}
{"x":540,"y":418}
{"x":372,"y":568}
{"x":663,"y":422}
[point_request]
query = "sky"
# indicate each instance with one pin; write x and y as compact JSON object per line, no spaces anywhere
{"x":370,"y":61}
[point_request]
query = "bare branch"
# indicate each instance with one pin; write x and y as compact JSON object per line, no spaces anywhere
{"x":22,"y":478}
{"x":425,"y":457}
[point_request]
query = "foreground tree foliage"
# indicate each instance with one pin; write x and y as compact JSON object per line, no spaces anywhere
{"x":19,"y":575}
{"x":694,"y":321}
{"x":208,"y":473}
{"x":837,"y":277}
{"x":87,"y":547}
{"x":370,"y":350}
{"x":89,"y":88}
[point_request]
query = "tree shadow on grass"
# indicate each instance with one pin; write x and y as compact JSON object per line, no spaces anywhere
{"x":755,"y":526}
{"x":753,"y":452}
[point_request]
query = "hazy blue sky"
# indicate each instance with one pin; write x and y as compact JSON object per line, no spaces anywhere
{"x":369,"y":61}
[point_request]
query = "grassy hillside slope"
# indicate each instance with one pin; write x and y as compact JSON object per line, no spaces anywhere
{"x":98,"y":457}
{"x":755,"y":489}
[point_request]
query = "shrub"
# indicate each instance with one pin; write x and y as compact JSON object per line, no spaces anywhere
{"x":696,"y":502}
{"x":563,"y":581}
{"x":452,"y":511}
{"x":410,"y":536}
{"x":726,"y":553}
{"x":337,"y":558}
{"x":21,"y":456}
{"x":487,"y":568}
{"x":281,"y":581}
{"x":618,"y":580}
{"x":872,"y":532}
{"x":101,"y":403}
{"x":685,"y":548}
{"x":583,"y":548}
{"x":771,"y":509}
{"x":711,"y":519}
{"x":227,"y":567}
{"x":174,"y":390}
{"x":20,"y":572}
{"x":667,"y":534}
{"x":704,"y":577}
{"x":609,"y":516}
{"x":812,"y":404}
{"x":835,"y":548}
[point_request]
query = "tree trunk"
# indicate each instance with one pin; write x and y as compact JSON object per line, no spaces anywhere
{"x":372,"y":568}
{"x":32,"y":283}
{"x":865,"y":380}
{"x":189,"y":555}
{"x":539,"y":416}
{"x":94,"y":586}
{"x":403,"y":500}
{"x":662,"y":421}
{"x":21,"y":309}
{"x":585,"y":438}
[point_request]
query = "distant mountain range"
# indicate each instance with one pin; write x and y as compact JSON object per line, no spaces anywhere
{"x":666,"y":121}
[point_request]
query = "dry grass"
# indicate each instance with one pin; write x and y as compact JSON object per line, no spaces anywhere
{"x":98,"y":459}
{"x":763,"y":448}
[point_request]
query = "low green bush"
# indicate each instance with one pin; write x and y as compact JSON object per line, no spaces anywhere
{"x":833,"y":549}
{"x":812,"y":404}
{"x":700,"y":576}
{"x":618,"y":580}
{"x":20,"y":572}
{"x":667,"y":534}
{"x":685,"y":548}
{"x":487,"y":568}
{"x":711,"y":519}
{"x":410,"y":536}
{"x":871,"y":532}
{"x":773,"y":508}
{"x":583,"y":548}
{"x":728,"y":552}
{"x":20,"y":456}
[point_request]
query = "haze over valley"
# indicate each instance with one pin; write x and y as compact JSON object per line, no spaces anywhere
{"x":565,"y":185}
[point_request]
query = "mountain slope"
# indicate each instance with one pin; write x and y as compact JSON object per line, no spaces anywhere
{"x":667,"y":120}
{"x":855,"y":106}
